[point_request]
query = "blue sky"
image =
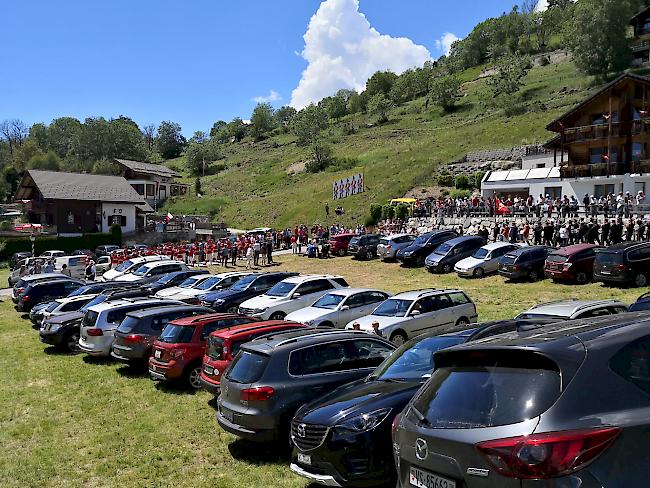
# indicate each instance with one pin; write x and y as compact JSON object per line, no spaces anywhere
{"x":193,"y":62}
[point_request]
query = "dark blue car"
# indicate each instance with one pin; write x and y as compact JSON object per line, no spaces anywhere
{"x":642,"y":303}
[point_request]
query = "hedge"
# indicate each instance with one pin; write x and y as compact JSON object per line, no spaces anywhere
{"x":66,"y":244}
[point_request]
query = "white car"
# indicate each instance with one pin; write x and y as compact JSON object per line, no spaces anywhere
{"x":389,"y":245}
{"x":65,"y":305}
{"x":409,"y":314}
{"x":290,"y":295}
{"x":130,"y":265}
{"x":339,"y":307}
{"x":211,"y":283}
{"x":100,"y":322}
{"x":76,"y":265}
{"x":52,"y":254}
{"x":152,"y":270}
{"x":103,"y":264}
{"x":485,"y":260}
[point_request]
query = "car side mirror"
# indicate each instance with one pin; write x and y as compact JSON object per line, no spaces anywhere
{"x":345,"y":308}
{"x":296,"y":295}
{"x":414,"y":313}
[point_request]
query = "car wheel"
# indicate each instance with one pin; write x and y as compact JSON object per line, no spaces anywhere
{"x":369,"y":255}
{"x":478,"y":273}
{"x":640,"y":280}
{"x":277,"y":316}
{"x":72,"y":342}
{"x":398,"y":338}
{"x":325,"y":325}
{"x":462,"y":321}
{"x":446,"y":268}
{"x":582,"y":278}
{"x":533,"y":275}
{"x":232,"y":309}
{"x":341,"y":253}
{"x":193,"y":376}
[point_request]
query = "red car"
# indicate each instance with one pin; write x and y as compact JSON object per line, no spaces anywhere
{"x":177,"y":355}
{"x":339,"y":244}
{"x":224,"y":345}
{"x":572,"y":263}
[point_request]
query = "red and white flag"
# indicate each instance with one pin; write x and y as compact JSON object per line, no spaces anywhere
{"x":169,"y":216}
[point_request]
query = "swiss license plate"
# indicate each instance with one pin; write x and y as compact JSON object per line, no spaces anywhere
{"x":423,"y":479}
{"x":157,"y":354}
{"x":304,"y":459}
{"x":227,"y":414}
{"x":208,"y":369}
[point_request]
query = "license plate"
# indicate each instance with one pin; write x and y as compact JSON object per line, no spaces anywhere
{"x":208,"y":369}
{"x":304,"y":459}
{"x":157,"y":354}
{"x":228,"y":415}
{"x":422,"y":479}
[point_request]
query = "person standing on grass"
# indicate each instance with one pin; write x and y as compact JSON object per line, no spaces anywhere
{"x":249,"y":257}
{"x":256,"y":253}
{"x":224,"y":255}
{"x":294,"y":245}
{"x":269,"y":253}
{"x":233,"y":255}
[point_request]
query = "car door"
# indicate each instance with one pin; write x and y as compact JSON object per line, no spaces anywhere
{"x":493,"y":263}
{"x":421,"y":316}
{"x":310,"y":292}
{"x":350,"y":309}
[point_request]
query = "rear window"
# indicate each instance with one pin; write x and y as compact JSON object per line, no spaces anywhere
{"x":557,"y":258}
{"x":214,"y":348}
{"x":632,"y":363}
{"x":509,"y":259}
{"x":247,"y":367}
{"x":482,"y":390}
{"x":177,"y":334}
{"x":90,"y":318}
{"x":608,"y":258}
{"x":128,"y":325}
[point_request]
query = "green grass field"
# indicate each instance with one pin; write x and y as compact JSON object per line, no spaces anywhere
{"x":66,"y":420}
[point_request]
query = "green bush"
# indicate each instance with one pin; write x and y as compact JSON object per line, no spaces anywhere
{"x":375,"y":213}
{"x":402,"y":211}
{"x":444,"y":192}
{"x":478,"y":177}
{"x":457,"y":193}
{"x":461,"y":182}
{"x":445,"y":179}
{"x":66,"y":244}
{"x":388,"y":212}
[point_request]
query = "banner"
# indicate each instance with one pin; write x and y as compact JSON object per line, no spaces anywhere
{"x":348,"y":186}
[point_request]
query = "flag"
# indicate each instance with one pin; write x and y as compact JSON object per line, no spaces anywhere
{"x":500,"y":208}
{"x":169,"y":216}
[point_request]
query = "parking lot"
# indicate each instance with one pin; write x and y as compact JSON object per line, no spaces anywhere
{"x":74,"y":421}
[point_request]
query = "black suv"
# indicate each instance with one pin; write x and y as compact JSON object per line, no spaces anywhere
{"x":346,"y":437}
{"x":416,"y":253}
{"x":44,"y":291}
{"x":249,"y":286}
{"x":526,"y":263}
{"x":172,"y":279}
{"x":627,"y":263}
{"x":364,"y":246}
{"x":136,"y":334}
{"x":525,"y":410}
{"x":270,"y":378}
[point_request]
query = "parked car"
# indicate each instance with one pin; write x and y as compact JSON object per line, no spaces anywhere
{"x":409,"y":314}
{"x":100,"y":322}
{"x":96,"y":287}
{"x":339,"y":243}
{"x":52,"y":254}
{"x":627,"y":263}
{"x":135,"y":336}
{"x":129,"y":266}
{"x":45,"y":291}
{"x":446,"y":255}
{"x":502,"y":414}
{"x":223,"y":346}
{"x":178,"y":352}
{"x":63,"y":331}
{"x":189,"y":282}
{"x":14,"y":276}
{"x":270,"y":379}
{"x":417,"y":252}
{"x":152,"y":271}
{"x":103,"y":264}
{"x":344,"y":437}
{"x":174,"y":278}
{"x":364,"y":246}
{"x":76,"y":264}
{"x":83,"y":252}
{"x":337,"y":308}
{"x":289,"y":295}
{"x":105,"y":249}
{"x":484,"y":261}
{"x":22,"y":282}
{"x":250,"y":286}
{"x":17,"y":257}
{"x":573,"y":309}
{"x":59,"y":306}
{"x":526,"y":263}
{"x":389,"y":245}
{"x":219,"y":282}
{"x":642,"y":303}
{"x":572,"y":263}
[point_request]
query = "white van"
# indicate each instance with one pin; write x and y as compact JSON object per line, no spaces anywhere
{"x":76,"y":265}
{"x":129,"y":266}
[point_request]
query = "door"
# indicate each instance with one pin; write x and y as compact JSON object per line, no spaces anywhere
{"x":428,"y":315}
{"x":309,"y":293}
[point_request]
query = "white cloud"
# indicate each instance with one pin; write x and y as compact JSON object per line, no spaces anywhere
{"x":444,"y":43}
{"x":541,"y":5}
{"x":343,"y":50}
{"x":273,"y":96}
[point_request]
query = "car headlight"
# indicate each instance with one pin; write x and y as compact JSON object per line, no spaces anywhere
{"x":363,"y":422}
{"x":54,"y":327}
{"x":260,"y":310}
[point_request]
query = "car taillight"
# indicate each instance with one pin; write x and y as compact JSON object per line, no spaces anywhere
{"x":134,"y":338}
{"x":395,"y":427}
{"x":620,"y":267}
{"x":548,"y":455}
{"x":19,"y":290}
{"x":259,"y":394}
{"x":95,"y":332}
{"x":26,"y":298}
{"x":516,"y":267}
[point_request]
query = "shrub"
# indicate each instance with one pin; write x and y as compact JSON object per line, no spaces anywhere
{"x":477,"y":178}
{"x":369,"y":222}
{"x":445,"y":179}
{"x":444,"y":192}
{"x":456,"y":193}
{"x":375,"y":212}
{"x":66,"y":244}
{"x":461,"y":182}
{"x":402,"y":211}
{"x":387,"y":212}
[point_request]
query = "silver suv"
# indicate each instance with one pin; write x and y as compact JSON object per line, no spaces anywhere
{"x":574,"y":309}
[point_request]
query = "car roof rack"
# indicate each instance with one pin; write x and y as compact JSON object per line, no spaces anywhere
{"x":554,"y":302}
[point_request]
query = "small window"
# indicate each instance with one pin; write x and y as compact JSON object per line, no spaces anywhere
{"x":323,"y":358}
{"x":341,"y":282}
{"x":369,"y":354}
{"x":599,"y":312}
{"x":458,"y":298}
{"x":357,"y":300}
{"x":314,"y":286}
{"x":632,"y":363}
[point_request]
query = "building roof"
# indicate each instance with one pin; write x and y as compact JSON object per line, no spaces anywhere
{"x":639,"y":14}
{"x":557,"y":124}
{"x":148,"y":168}
{"x":54,"y":185}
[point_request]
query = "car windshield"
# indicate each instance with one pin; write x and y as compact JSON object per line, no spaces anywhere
{"x":393,"y":308}
{"x":141,"y":271}
{"x":557,"y":258}
{"x":209,"y":283}
{"x":329,"y":301}
{"x":189,"y":282}
{"x":177,"y":334}
{"x":443,"y":249}
{"x":422,"y":240}
{"x":81,"y":291}
{"x":608,"y":258}
{"x":412,"y":362}
{"x":242,"y":284}
{"x":52,"y":305}
{"x":481,"y":253}
{"x":281,"y":289}
{"x":124,"y":266}
{"x":95,"y":301}
{"x":384,"y":242}
{"x":354,"y":241}
{"x":166,"y":278}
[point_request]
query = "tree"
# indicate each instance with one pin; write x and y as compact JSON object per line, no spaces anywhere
{"x":508,"y":79}
{"x":197,"y":187}
{"x":24,"y":153}
{"x":200,"y":154}
{"x":106,"y":167}
{"x":13,"y":131}
{"x":357,"y":103}
{"x":48,"y":161}
{"x":236,"y":129}
{"x":321,"y":153}
{"x":379,"y":105}
{"x":63,"y":135}
{"x":217,"y":127}
{"x":308,"y":124}
{"x":597,"y":36}
{"x":284,"y":115}
{"x":38,"y":133}
{"x":336,"y":107}
{"x":262,"y":120}
{"x":170,"y":142}
{"x":380,"y":82}
{"x":149,"y":133}
{"x":445,"y":92}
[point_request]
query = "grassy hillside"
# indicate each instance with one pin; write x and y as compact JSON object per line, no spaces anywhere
{"x":260,"y":185}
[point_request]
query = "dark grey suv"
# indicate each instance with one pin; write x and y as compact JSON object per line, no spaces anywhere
{"x":274,"y":376}
{"x":566,"y":407}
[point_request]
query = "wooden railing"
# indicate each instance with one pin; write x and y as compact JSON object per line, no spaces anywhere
{"x":605,"y":169}
{"x":601,"y":131}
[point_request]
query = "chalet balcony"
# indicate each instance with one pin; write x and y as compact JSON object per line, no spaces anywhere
{"x":601,"y":131}
{"x":604,"y":169}
{"x":641,"y":45}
